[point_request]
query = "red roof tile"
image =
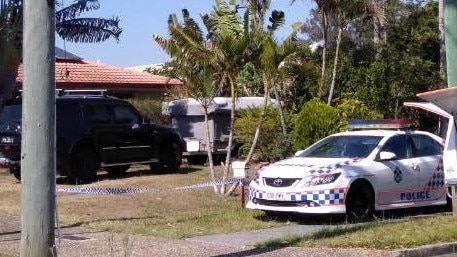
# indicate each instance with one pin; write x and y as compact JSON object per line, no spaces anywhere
{"x":87,"y":74}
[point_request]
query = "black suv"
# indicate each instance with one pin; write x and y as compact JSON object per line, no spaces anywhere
{"x":92,"y":132}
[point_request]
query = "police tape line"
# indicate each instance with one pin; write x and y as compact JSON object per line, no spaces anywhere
{"x":120,"y":191}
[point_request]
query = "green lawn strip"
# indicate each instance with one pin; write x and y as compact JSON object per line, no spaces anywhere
{"x":382,"y":234}
{"x":7,"y":255}
{"x":187,"y":225}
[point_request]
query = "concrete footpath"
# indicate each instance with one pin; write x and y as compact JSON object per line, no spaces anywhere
{"x":78,"y":241}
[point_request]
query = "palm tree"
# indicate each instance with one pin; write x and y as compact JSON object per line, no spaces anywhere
{"x":273,"y":58}
{"x":69,"y":26}
{"x":187,"y":47}
{"x":218,"y":55}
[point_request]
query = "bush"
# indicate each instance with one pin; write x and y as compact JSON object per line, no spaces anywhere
{"x":349,"y":108}
{"x":151,"y":109}
{"x":315,"y":121}
{"x":272,"y":144}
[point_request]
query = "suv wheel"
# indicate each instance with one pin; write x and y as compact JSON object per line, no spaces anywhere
{"x":16,"y":171}
{"x":84,"y":165}
{"x":170,"y":158}
{"x":117,"y":170}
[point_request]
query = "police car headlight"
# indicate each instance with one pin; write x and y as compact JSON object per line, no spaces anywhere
{"x":256,"y":178}
{"x":321,"y":180}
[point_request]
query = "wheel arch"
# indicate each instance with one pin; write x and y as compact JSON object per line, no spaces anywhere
{"x":81,"y":144}
{"x":166,"y":139}
{"x":358,"y":182}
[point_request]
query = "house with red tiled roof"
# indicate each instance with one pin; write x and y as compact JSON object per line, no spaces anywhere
{"x":73,"y":72}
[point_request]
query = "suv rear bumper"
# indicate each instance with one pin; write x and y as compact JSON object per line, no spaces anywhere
{"x":5,"y":162}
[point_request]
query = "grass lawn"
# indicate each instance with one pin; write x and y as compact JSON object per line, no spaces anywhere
{"x":168,"y":212}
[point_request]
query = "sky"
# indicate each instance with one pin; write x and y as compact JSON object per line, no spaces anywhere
{"x":140,"y":19}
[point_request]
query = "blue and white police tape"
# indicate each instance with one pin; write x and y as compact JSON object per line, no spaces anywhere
{"x":119,"y":191}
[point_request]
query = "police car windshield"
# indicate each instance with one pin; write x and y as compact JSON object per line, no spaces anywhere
{"x":343,"y":146}
{"x":11,"y":113}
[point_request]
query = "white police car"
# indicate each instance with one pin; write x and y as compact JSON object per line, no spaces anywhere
{"x":356,"y":172}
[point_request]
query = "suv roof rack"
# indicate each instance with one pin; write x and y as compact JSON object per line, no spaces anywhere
{"x":91,"y":92}
{"x":83,"y":93}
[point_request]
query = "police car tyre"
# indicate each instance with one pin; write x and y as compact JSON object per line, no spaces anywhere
{"x":117,"y":170}
{"x":360,"y":202}
{"x":84,"y":165}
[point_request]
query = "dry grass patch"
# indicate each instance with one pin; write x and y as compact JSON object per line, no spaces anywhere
{"x":10,"y":193}
{"x":164,"y":211}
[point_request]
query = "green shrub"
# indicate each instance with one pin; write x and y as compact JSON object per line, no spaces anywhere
{"x":315,"y":121}
{"x":151,"y":109}
{"x":349,"y":108}
{"x":272,"y":144}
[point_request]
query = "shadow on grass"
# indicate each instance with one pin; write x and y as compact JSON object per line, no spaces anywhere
{"x":102,"y":175}
{"x":323,"y":233}
{"x":341,"y":219}
{"x":251,"y":252}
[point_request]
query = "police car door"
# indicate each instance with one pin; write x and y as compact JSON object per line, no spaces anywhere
{"x":399,"y":179}
{"x":427,"y":154}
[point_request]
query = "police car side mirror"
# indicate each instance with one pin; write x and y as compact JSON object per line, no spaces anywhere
{"x":385,"y":156}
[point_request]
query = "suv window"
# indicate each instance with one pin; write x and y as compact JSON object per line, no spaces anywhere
{"x":123,"y":114}
{"x":11,"y":113}
{"x":97,"y":113}
{"x":68,"y":112}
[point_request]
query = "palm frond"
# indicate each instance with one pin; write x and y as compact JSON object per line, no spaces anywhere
{"x":74,"y":10}
{"x":89,"y":30}
{"x":277,"y":20}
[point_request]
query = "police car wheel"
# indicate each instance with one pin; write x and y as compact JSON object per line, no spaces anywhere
{"x":360,"y":202}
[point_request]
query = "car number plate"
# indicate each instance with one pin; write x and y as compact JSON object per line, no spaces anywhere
{"x":7,"y":140}
{"x":276,"y":196}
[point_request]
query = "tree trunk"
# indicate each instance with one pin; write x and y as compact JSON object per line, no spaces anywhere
{"x":228,"y":157}
{"x":281,"y":112}
{"x":442,"y":39}
{"x":324,"y":53}
{"x":335,"y":66}
{"x":209,"y":150}
{"x":379,"y":24}
{"x":260,"y":121}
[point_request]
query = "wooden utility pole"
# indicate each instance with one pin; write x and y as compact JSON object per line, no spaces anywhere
{"x":38,"y":131}
{"x":450,"y":28}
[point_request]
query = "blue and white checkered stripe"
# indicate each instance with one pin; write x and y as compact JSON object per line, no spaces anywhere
{"x":330,"y":168}
{"x":437,"y":178}
{"x":334,"y":196}
{"x":119,"y":191}
{"x":318,"y":170}
{"x":106,"y":191}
